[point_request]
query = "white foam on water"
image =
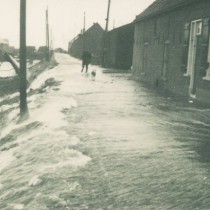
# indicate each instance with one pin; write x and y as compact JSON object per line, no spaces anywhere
{"x":50,"y":115}
{"x":48,"y":109}
{"x":51,"y":121}
{"x":72,"y":102}
{"x":40,"y":80}
{"x":35,"y":180}
{"x":74,"y":140}
{"x":200,"y":123}
{"x":43,"y":108}
{"x":51,"y":198}
{"x":18,"y":206}
{"x":45,"y":148}
{"x":57,"y":199}
{"x":14,"y":95}
{"x":91,"y":133}
{"x":71,"y":186}
{"x":6,"y":158}
{"x":45,"y":139}
{"x":12,"y":123}
{"x":13,"y":115}
{"x":6,"y":107}
{"x":67,"y":158}
{"x":37,"y":132}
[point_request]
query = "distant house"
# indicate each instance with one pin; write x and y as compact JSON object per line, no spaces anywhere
{"x":172,"y":47}
{"x":43,"y":49}
{"x":119,"y":47}
{"x":4,"y":45}
{"x":91,"y":40}
{"x":30,"y":49}
{"x":59,"y":50}
{"x":42,"y":53}
{"x":12,"y":51}
{"x":5,"y":48}
{"x":30,"y":52}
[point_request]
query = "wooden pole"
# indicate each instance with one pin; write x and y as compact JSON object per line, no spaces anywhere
{"x":47,"y":36}
{"x":84,"y":34}
{"x":107,"y":17}
{"x":105,"y":34}
{"x":22,"y":74}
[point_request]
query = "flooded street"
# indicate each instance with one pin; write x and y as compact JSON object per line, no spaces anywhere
{"x":104,"y":144}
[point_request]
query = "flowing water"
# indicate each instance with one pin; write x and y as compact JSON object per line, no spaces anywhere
{"x":104,"y":144}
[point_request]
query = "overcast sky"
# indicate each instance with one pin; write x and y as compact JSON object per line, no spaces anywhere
{"x":65,"y":18}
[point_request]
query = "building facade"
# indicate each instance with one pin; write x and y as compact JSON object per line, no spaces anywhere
{"x":91,"y":40}
{"x":119,"y":47}
{"x":172,"y":47}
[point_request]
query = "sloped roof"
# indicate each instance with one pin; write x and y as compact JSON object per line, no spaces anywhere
{"x":160,"y":6}
{"x":97,"y":26}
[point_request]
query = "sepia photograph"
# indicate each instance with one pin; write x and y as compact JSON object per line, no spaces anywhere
{"x":104,"y":105}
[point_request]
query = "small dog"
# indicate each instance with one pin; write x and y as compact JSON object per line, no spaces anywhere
{"x":93,"y":74}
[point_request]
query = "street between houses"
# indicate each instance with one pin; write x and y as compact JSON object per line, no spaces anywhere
{"x":108,"y":143}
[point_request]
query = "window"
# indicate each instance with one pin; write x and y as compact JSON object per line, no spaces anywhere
{"x":165,"y":59}
{"x":198,"y":27}
{"x":207,"y":77}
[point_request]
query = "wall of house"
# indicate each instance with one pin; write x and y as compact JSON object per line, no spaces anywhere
{"x":92,"y":41}
{"x":110,"y":50}
{"x":158,"y":53}
{"x":119,"y":47}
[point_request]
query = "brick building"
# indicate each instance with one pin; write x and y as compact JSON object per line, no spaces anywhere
{"x":91,"y":40}
{"x":171,"y":47}
{"x":119,"y":47}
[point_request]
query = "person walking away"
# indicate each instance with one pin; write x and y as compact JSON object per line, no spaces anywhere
{"x":86,"y":59}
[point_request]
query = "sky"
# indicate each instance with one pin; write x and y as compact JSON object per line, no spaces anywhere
{"x":66,"y":18}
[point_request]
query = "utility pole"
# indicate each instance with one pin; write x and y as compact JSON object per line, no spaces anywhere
{"x":51,"y":39}
{"x":84,"y":34}
{"x":107,"y":17}
{"x":105,"y":34}
{"x":47,"y":36}
{"x":22,"y":74}
{"x":113,"y":23}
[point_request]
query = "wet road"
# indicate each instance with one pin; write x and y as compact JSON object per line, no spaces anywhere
{"x":104,"y":144}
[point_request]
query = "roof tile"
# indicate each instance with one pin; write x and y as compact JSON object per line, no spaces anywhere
{"x":160,"y":6}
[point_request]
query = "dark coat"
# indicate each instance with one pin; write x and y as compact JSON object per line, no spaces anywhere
{"x":86,"y":57}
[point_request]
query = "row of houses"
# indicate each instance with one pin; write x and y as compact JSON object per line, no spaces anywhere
{"x":167,"y":45}
{"x":5,"y":47}
{"x":31,"y":51}
{"x":119,"y":47}
{"x":9,"y":58}
{"x":113,"y":49}
{"x":171,"y":47}
{"x":91,"y":40}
